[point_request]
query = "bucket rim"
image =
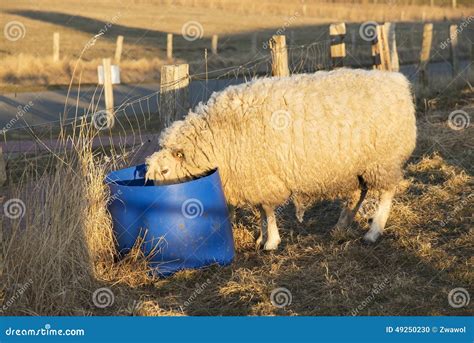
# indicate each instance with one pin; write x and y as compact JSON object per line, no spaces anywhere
{"x":112,"y":178}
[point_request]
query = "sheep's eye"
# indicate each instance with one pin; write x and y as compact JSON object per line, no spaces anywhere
{"x":179,"y":155}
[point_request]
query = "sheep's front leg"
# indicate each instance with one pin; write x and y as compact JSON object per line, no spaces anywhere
{"x":380,"y":217}
{"x":272,"y":229}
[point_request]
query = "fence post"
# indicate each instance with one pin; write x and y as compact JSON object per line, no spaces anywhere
{"x":279,"y":56}
{"x":337,"y":33}
{"x":453,"y":35}
{"x":3,"y":169}
{"x":454,"y":3}
{"x":118,"y":50}
{"x":169,"y":46}
{"x":56,"y":47}
{"x":214,"y":44}
{"x":108,"y":90}
{"x":378,"y":51}
{"x":392,"y":46}
{"x":385,"y":48}
{"x":425,"y":52}
{"x":431,"y":3}
{"x":174,"y":92}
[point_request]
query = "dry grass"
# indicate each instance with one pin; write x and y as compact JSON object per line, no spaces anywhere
{"x":62,"y":249}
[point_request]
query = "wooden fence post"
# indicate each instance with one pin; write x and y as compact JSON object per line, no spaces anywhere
{"x":425,"y":52}
{"x":380,"y":49}
{"x":169,"y":46}
{"x":392,"y":46}
{"x":3,"y":169}
{"x":174,"y":92}
{"x":108,"y":90}
{"x":432,"y":3}
{"x":118,"y":50}
{"x":454,"y":3}
{"x":453,"y":36}
{"x":385,"y":48}
{"x":337,"y":33}
{"x":279,"y":56}
{"x":214,"y":44}
{"x":56,"y":47}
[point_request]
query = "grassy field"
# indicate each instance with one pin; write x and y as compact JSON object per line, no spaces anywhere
{"x":62,"y":251}
{"x":27,"y":61}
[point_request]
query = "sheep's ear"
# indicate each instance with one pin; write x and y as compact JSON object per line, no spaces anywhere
{"x":178,"y":154}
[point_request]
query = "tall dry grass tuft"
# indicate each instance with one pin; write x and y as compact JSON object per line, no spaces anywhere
{"x":62,"y":248}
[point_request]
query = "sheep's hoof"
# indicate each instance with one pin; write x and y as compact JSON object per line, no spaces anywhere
{"x":272,"y":245}
{"x":371,"y":236}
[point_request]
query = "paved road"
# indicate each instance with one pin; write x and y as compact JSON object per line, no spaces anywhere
{"x":48,"y":106}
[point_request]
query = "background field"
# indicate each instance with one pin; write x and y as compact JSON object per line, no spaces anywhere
{"x":144,"y":24}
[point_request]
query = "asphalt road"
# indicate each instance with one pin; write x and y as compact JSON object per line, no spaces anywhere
{"x":35,"y":108}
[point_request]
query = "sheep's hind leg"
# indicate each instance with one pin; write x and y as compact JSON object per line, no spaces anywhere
{"x":381,"y":215}
{"x":273,"y":239}
{"x":263,"y":230}
{"x":351,"y":208}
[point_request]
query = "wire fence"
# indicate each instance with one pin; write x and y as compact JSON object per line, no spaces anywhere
{"x":139,"y":117}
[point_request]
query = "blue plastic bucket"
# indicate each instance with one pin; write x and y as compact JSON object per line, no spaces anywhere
{"x":187,"y":224}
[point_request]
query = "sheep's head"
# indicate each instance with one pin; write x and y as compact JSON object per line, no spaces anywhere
{"x":167,"y":165}
{"x":179,"y":158}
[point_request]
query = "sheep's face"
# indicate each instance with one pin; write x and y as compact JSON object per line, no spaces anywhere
{"x":167,"y":165}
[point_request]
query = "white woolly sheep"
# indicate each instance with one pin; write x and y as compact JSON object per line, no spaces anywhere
{"x":327,"y":135}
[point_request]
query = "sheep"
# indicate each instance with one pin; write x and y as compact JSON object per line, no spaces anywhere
{"x":328,"y":135}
